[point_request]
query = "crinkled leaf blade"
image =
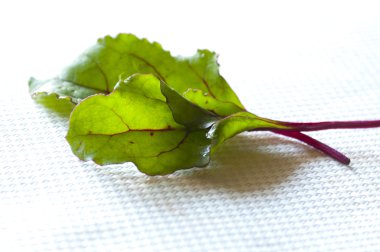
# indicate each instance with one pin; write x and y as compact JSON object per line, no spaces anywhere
{"x":98,"y":69}
{"x":135,"y":124}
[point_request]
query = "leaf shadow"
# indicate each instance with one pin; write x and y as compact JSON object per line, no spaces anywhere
{"x":254,"y":162}
{"x":247,"y":163}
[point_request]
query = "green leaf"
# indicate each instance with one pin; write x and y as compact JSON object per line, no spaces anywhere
{"x":135,"y":124}
{"x":171,"y":113}
{"x":98,"y":69}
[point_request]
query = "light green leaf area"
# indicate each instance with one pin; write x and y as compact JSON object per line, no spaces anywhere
{"x":135,"y":124}
{"x":237,"y":123}
{"x":206,"y":101}
{"x":217,"y":94}
{"x":98,"y":69}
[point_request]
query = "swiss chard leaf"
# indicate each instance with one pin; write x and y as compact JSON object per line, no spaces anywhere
{"x":98,"y":69}
{"x":137,"y":103}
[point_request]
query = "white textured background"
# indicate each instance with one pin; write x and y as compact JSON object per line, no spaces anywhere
{"x":290,"y":61}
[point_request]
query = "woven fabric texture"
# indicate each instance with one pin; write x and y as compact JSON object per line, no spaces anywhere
{"x":261,"y":192}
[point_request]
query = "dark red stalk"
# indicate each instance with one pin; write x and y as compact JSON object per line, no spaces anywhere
{"x":316,"y":144}
{"x":293,"y":130}
{"x":313,"y":126}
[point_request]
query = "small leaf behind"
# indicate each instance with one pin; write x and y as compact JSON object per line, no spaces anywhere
{"x":97,"y":70}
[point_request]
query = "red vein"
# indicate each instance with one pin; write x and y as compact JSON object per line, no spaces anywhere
{"x":131,"y":130}
{"x":101,"y":71}
{"x":82,"y":85}
{"x":119,"y":116}
{"x":148,"y":64}
{"x":175,"y":147}
{"x":205,"y":83}
{"x":141,"y":130}
{"x":157,"y":155}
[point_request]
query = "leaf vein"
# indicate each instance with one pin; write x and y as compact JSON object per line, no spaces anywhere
{"x":148,"y":64}
{"x":202,"y":79}
{"x":81,"y":85}
{"x":177,"y":146}
{"x":130,"y":130}
{"x":101,"y":72}
{"x":120,"y":117}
